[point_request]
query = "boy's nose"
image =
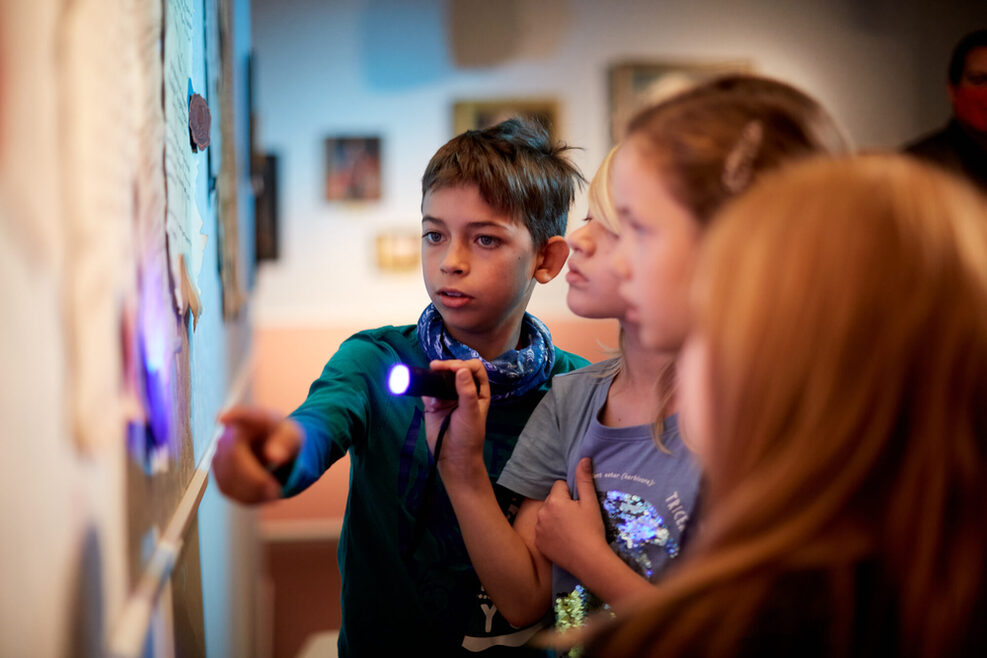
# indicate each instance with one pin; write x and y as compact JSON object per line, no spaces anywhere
{"x":455,"y":261}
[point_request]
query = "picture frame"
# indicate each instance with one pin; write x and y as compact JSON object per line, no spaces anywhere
{"x":398,"y":251}
{"x":635,"y":85}
{"x":353,"y":168}
{"x":480,"y":114}
{"x":266,"y":217}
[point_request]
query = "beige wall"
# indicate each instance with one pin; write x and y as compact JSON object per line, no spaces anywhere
{"x":394,"y":69}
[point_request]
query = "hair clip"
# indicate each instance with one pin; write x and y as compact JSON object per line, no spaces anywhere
{"x":738,"y":167}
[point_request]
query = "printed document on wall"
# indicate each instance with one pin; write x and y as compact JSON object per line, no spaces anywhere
{"x":186,"y":243}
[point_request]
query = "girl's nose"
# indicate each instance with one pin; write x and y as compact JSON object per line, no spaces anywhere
{"x":579,"y":240}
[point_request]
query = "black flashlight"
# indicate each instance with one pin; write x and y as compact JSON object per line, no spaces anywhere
{"x":412,"y":380}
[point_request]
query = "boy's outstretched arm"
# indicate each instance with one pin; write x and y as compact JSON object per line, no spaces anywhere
{"x":513,"y":572}
{"x":570,"y":533}
{"x":256,"y":443}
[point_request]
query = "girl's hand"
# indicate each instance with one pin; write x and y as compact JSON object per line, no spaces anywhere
{"x":569,"y":532}
{"x":461,"y":455}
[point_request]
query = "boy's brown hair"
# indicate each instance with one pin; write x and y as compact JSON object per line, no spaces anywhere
{"x":518,"y":170}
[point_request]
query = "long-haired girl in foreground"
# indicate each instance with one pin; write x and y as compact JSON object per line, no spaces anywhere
{"x":834,"y":386}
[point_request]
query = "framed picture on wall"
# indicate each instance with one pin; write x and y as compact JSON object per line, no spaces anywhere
{"x":636,"y":85}
{"x":398,"y":251}
{"x":479,"y":114}
{"x":352,"y":168}
{"x":266,"y":231}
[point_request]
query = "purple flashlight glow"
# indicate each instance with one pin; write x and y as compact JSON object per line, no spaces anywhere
{"x":399,"y":379}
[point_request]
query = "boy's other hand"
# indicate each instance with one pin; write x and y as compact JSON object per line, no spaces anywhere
{"x":568,"y":531}
{"x":462,"y":447}
{"x":255,"y":443}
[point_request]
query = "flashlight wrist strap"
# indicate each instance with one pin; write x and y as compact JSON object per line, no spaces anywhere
{"x":438,"y":440}
{"x":428,"y":495}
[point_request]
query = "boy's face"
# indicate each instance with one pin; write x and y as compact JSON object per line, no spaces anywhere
{"x":478,"y":265}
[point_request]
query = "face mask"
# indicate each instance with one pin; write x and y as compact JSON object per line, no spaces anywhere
{"x":970,"y":107}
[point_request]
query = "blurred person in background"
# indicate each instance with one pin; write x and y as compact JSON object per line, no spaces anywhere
{"x":961,"y":146}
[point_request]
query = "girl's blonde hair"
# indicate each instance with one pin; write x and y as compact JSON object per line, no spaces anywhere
{"x":599,"y":197}
{"x":844,"y":307}
{"x":602,"y":209}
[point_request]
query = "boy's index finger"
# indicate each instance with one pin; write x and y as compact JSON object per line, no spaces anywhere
{"x":243,"y":413}
{"x":448,"y":364}
{"x":479,"y":373}
{"x":250,"y":423}
{"x":465,"y":386}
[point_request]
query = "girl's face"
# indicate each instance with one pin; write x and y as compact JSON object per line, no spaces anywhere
{"x":693,"y":394}
{"x":657,"y":251}
{"x":592,"y":279}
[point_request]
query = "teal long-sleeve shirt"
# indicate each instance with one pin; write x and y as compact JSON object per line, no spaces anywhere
{"x":404,"y":588}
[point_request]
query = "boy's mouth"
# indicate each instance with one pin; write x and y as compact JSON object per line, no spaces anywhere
{"x":451,"y":298}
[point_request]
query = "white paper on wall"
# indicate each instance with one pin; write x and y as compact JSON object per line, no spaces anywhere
{"x":185,"y":239}
{"x":97,"y":78}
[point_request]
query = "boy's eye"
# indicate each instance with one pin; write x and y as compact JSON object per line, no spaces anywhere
{"x":432,"y":237}
{"x":487,"y":241}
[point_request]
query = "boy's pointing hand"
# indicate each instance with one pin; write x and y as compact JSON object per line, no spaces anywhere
{"x":256,"y":442}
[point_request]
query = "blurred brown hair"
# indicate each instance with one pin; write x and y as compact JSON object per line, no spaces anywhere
{"x":710,"y":142}
{"x":844,"y":307}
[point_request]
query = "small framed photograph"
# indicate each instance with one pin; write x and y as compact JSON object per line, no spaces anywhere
{"x":636,"y":85}
{"x":352,"y":168}
{"x":266,"y":221}
{"x":480,"y":114}
{"x":398,"y":251}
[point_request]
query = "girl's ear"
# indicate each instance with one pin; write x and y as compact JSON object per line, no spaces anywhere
{"x":551,"y":258}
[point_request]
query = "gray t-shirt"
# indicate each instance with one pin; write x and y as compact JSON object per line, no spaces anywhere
{"x":646,"y":494}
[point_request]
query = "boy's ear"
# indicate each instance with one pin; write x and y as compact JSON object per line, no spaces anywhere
{"x":551,"y":258}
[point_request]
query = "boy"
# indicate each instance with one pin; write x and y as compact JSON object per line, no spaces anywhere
{"x":494,"y":208}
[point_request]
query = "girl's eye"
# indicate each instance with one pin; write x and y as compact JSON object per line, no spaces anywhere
{"x":432,"y":237}
{"x":638,"y":227}
{"x":629,"y":224}
{"x":488,"y":241}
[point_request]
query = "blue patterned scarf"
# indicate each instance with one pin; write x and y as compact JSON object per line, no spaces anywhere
{"x":513,"y":373}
